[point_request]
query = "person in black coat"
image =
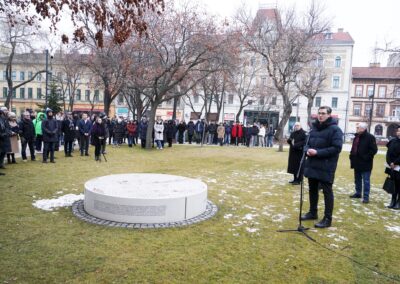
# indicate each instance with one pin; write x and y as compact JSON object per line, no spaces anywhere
{"x":143,"y":131}
{"x":324,"y":146}
{"x":181,"y":131}
{"x":296,"y":143}
{"x":362,"y":155}
{"x":170,"y":132}
{"x":68,"y":128}
{"x":190,"y":130}
{"x":50,"y":136}
{"x":393,"y":164}
{"x":27,"y":135}
{"x":5,"y":133}
{"x":98,"y":134}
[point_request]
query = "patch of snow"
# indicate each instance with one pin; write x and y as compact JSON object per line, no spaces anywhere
{"x":395,"y":229}
{"x":228,"y":216}
{"x":252,"y":230}
{"x":249,"y":216}
{"x":279,"y":218}
{"x":62,"y":201}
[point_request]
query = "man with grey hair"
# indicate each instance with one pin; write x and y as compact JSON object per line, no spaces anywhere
{"x":362,"y":155}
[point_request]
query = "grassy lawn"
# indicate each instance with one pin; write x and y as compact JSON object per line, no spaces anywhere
{"x":239,"y":245}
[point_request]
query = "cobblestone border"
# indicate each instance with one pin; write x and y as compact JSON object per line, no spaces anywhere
{"x":79,"y":211}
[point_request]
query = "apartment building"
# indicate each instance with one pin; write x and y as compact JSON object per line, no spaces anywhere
{"x":375,"y":99}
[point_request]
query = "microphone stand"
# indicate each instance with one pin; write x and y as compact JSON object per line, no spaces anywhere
{"x":300,"y":227}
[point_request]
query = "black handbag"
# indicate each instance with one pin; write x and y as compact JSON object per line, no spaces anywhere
{"x":389,"y":185}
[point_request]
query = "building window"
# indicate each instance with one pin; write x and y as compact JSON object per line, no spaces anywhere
{"x":252,"y":61}
{"x":120,"y":99}
{"x":4,"y":75}
{"x":357,"y":110}
{"x":196,"y":98}
{"x":230,"y":99}
{"x":78,"y":94}
{"x":273,"y":101}
{"x":249,"y":102}
{"x":397,"y":92}
{"x":262,"y":100}
{"x":169,"y":102}
{"x":39,"y":77}
{"x":317,"y":101}
{"x":378,"y":130}
{"x":382,"y":92}
{"x":338,"y":61}
{"x":396,"y":111}
{"x":96,"y":95}
{"x":367,"y":110}
{"x":22,"y":93}
{"x":334,"y":102}
{"x":22,"y":76}
{"x":87,"y":95}
{"x":39,"y":93}
{"x":30,"y":75}
{"x":380,"y":110}
{"x":370,"y":91}
{"x":13,"y":75}
{"x":263,"y":81}
{"x":30,"y":93}
{"x":319,"y":62}
{"x":359,"y":91}
{"x":335,"y":82}
{"x":5,"y":92}
{"x":14,"y":94}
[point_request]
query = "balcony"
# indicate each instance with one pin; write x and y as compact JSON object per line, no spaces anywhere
{"x":393,"y":118}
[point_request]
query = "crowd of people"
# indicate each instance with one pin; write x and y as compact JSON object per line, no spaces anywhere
{"x":44,"y":132}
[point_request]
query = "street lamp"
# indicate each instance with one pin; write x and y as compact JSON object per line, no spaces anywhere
{"x":47,"y":78}
{"x":372,"y":108}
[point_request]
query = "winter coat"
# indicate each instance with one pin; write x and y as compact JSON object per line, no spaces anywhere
{"x":119,"y":131}
{"x":38,"y":123}
{"x":98,"y":133}
{"x":393,"y":156}
{"x":50,"y":130}
{"x":181,"y":127}
{"x":143,"y":130}
{"x":228,"y":129}
{"x":327,"y":139}
{"x":212,"y":128}
{"x":221,"y":132}
{"x":199,"y":126}
{"x":14,"y":139}
{"x":190,"y":128}
{"x":262,"y":132}
{"x":159,"y":131}
{"x":254,"y":130}
{"x":363,"y":160}
{"x":237,"y":131}
{"x":26,"y":130}
{"x":68,"y":128}
{"x":5,"y":133}
{"x":170,"y":130}
{"x":131,"y":128}
{"x":296,"y":143}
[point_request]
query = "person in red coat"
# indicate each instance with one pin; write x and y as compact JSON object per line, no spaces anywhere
{"x":131,"y":129}
{"x":237,"y":133}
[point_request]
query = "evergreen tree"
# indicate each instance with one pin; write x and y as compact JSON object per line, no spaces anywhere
{"x":53,"y":99}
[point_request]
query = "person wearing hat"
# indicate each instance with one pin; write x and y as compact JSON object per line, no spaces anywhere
{"x":50,"y":136}
{"x":5,"y":133}
{"x":12,"y":121}
{"x":68,"y":128}
{"x":27,"y":135}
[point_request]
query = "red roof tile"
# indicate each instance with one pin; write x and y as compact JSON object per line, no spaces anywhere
{"x":376,"y":72}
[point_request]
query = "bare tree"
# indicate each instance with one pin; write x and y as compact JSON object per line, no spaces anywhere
{"x":287,"y":44}
{"x":309,"y":84}
{"x":14,"y":38}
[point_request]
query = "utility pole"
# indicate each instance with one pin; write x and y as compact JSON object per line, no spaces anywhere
{"x":372,"y":109}
{"x":47,"y":78}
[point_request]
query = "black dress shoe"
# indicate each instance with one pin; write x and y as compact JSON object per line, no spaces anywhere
{"x":324,"y":223}
{"x":292,"y":181}
{"x":309,"y":216}
{"x":355,"y":195}
{"x":296,"y":182}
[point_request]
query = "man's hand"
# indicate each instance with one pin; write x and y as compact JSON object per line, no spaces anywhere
{"x":392,"y":165}
{"x":311,"y":152}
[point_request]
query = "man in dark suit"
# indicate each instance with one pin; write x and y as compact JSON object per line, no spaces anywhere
{"x":325,"y":144}
{"x":362,"y":155}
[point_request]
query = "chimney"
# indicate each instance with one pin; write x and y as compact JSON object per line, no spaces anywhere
{"x":340,"y":30}
{"x":375,"y":64}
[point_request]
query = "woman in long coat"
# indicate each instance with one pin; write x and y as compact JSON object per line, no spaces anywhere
{"x":159,"y":133}
{"x":393,"y":161}
{"x":296,"y":143}
{"x":12,"y":121}
{"x":98,"y":133}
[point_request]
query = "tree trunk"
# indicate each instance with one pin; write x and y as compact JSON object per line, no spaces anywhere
{"x":150,"y":127}
{"x":174,"y":108}
{"x":309,"y":106}
{"x":239,"y":113}
{"x":287,"y":111}
{"x":107,"y":100}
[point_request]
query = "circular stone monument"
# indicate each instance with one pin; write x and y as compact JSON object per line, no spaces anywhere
{"x":145,"y":199}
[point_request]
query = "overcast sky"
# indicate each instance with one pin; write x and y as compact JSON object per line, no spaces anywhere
{"x":367,"y":21}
